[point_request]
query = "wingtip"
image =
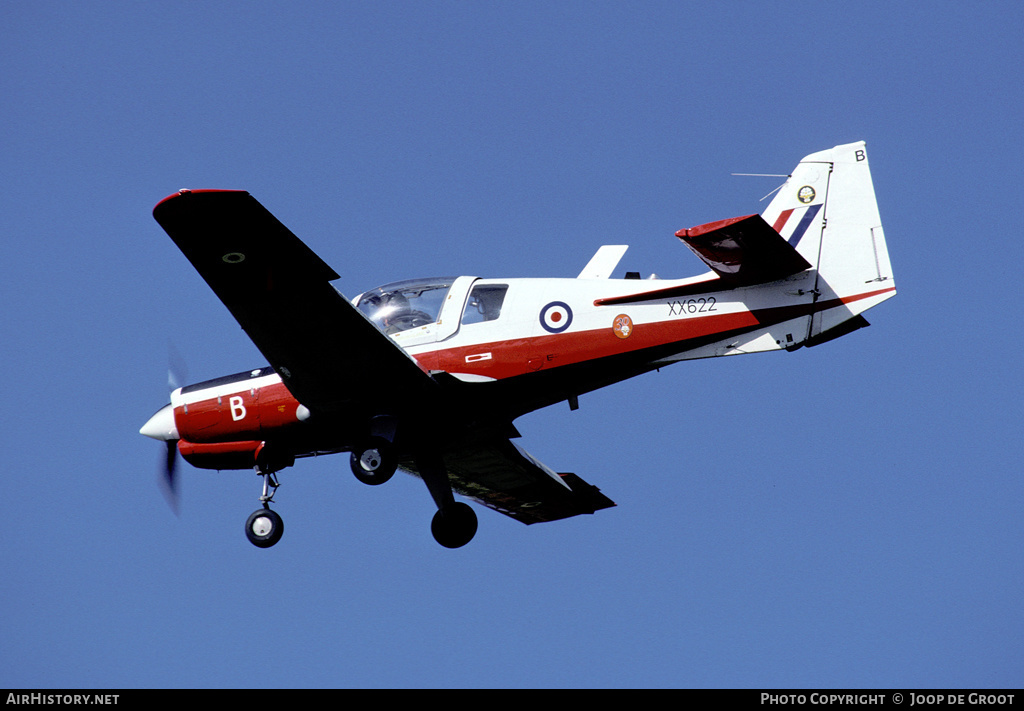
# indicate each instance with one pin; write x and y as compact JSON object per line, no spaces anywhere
{"x":710,"y":227}
{"x":189,"y":191}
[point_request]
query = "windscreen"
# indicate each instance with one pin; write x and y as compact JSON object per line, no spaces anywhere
{"x":405,"y":304}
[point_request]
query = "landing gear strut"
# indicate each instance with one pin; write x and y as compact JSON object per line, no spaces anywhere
{"x":454,"y":524}
{"x":264,"y":527}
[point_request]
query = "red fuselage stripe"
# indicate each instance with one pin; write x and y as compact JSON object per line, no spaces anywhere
{"x":246,"y":414}
{"x":518,"y":356}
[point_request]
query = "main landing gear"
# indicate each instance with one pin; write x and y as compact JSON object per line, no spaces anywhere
{"x":454,"y":524}
{"x":375,"y":462}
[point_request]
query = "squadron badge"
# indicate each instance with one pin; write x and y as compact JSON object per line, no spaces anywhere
{"x":622,"y":326}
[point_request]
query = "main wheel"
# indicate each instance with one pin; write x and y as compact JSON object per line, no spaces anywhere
{"x":375,"y":463}
{"x":454,"y":526}
{"x":264,"y":528}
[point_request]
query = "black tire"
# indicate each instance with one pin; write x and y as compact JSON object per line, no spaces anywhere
{"x":374,"y":463}
{"x":455,"y":525}
{"x":264,"y":528}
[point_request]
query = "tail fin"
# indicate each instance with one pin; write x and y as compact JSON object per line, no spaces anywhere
{"x":827,"y":211}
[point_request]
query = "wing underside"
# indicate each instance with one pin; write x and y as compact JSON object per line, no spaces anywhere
{"x":504,"y":477}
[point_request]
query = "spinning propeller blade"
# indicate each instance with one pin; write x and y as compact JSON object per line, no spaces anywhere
{"x":168,"y":476}
{"x":177,"y":371}
{"x":161,"y":426}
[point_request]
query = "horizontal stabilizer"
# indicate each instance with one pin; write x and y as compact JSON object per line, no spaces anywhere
{"x":846,"y":327}
{"x":743,"y":251}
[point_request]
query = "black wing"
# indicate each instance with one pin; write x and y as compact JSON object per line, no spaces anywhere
{"x":279,"y":290}
{"x":503,"y":476}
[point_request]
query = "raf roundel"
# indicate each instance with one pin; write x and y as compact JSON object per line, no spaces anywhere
{"x":556,"y":317}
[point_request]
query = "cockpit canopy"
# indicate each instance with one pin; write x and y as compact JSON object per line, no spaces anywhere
{"x":402,"y":305}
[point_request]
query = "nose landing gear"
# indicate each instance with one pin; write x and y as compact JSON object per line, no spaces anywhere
{"x":264,"y":526}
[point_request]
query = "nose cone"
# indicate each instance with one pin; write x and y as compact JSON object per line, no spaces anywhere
{"x":161,"y":426}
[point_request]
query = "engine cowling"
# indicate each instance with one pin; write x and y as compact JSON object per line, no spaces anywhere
{"x":243,"y":410}
{"x":220,"y":455}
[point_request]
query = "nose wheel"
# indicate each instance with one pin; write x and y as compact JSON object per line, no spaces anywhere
{"x":264,"y":527}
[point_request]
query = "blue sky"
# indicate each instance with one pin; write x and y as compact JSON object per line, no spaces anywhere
{"x":844,"y":516}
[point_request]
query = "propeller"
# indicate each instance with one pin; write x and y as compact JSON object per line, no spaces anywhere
{"x":161,"y":426}
{"x":168,"y":476}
